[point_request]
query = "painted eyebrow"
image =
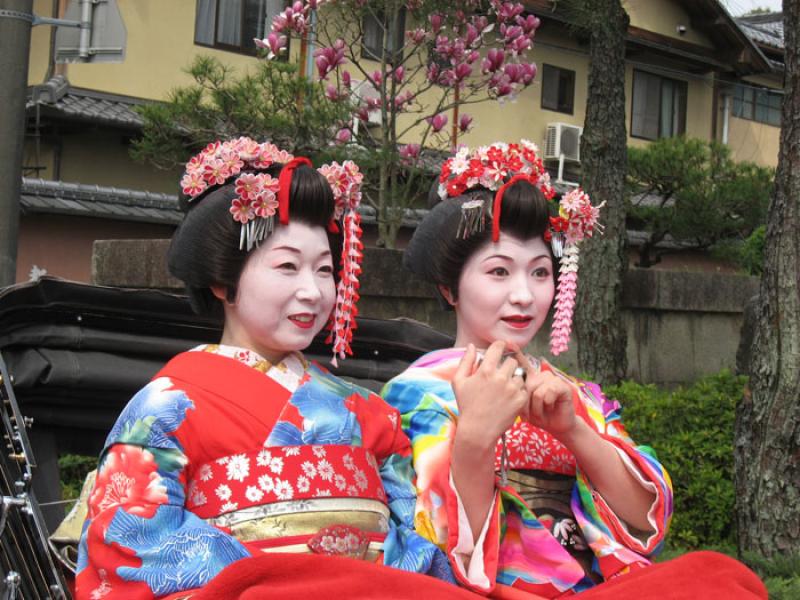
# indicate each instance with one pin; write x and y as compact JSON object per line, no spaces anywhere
{"x":297,"y":251}
{"x":504,"y":257}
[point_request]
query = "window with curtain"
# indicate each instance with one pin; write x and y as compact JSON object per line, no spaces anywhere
{"x":757,"y":104}
{"x":374,"y":42}
{"x":558,"y":89}
{"x":659,"y":106}
{"x":233,"y":24}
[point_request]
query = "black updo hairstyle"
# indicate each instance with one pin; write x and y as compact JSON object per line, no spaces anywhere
{"x":204,"y":251}
{"x":438,"y":253}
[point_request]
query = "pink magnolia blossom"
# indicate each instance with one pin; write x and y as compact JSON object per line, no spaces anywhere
{"x":362,"y":113}
{"x":433,"y":72}
{"x":462,"y":71}
{"x":494,"y":60}
{"x":436,"y":23}
{"x":274,"y":42}
{"x":327,"y":59}
{"x":464,"y":122}
{"x":437,"y":122}
{"x":343,"y":136}
{"x":529,"y":24}
{"x":417,"y":36}
{"x":410,"y":151}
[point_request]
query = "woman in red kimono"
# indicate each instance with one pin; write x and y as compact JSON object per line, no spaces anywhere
{"x":243,"y":448}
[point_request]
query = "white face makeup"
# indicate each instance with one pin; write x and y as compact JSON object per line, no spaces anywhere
{"x":286,"y":293}
{"x":505,"y":292}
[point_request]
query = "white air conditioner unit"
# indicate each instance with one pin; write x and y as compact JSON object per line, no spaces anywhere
{"x":362,"y":91}
{"x":563,"y":142}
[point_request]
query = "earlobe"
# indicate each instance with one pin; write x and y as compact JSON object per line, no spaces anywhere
{"x":220,"y":293}
{"x":447,"y":294}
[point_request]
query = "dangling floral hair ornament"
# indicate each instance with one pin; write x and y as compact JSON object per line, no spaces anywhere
{"x":260,"y":197}
{"x":498,"y":167}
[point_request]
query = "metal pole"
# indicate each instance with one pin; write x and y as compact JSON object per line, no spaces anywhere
{"x":16,"y":17}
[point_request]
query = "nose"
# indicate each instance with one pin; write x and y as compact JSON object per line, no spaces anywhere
{"x":308,"y":287}
{"x":521,"y":292}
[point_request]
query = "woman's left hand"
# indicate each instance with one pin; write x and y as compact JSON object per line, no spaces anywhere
{"x":551,"y":406}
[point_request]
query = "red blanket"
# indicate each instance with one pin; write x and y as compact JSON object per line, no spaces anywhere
{"x":317,"y":577}
{"x":695,"y":576}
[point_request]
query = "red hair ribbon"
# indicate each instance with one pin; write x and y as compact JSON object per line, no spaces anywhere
{"x":285,"y":183}
{"x":498,"y":201}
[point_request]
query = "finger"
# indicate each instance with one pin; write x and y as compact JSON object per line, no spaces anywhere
{"x":509,"y":366}
{"x":549,"y":397}
{"x":525,"y":410}
{"x":534,"y":381}
{"x":466,"y":364}
{"x":535,"y":412}
{"x":521,"y":402}
{"x":493,"y":355}
{"x":523,"y":361}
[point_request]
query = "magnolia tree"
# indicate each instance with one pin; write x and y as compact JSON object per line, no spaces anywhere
{"x":426,"y":72}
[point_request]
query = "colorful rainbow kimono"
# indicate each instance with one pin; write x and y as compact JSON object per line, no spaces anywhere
{"x":530,"y":541}
{"x":223,"y":456}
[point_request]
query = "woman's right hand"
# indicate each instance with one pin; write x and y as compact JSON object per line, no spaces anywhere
{"x":489,"y":397}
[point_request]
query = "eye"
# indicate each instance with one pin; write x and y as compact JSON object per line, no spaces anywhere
{"x":541,"y":272}
{"x":499,"y":272}
{"x":327,"y":269}
{"x":287,"y":266}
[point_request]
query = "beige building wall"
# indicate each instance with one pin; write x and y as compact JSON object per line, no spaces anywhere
{"x":754,"y":142}
{"x":664,"y":17}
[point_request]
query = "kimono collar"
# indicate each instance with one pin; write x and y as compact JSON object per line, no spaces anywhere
{"x":292,"y":362}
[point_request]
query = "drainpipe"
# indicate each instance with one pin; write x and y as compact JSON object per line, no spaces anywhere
{"x":309,"y":66}
{"x":16,"y":20}
{"x":726,"y":117}
{"x":86,"y":29}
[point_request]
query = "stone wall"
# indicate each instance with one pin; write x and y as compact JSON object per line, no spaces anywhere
{"x":681,"y":325}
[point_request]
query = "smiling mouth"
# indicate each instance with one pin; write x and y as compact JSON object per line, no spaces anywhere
{"x":518,"y":321}
{"x":304,"y":320}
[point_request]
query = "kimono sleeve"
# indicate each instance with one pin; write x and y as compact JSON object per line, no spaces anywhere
{"x":591,"y":510}
{"x":404,"y":548}
{"x":429,"y":418}
{"x":138,"y":541}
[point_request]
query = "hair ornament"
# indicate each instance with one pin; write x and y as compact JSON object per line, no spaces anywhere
{"x":345,"y":180}
{"x":472,"y":217}
{"x":496,"y":168}
{"x":259,"y":197}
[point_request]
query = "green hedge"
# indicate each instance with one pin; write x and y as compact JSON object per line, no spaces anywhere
{"x":691,"y":430}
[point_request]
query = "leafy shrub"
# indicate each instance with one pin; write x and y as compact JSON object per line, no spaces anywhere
{"x":747,"y":254}
{"x":691,"y":430}
{"x":74,"y":468}
{"x":781,"y":574}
